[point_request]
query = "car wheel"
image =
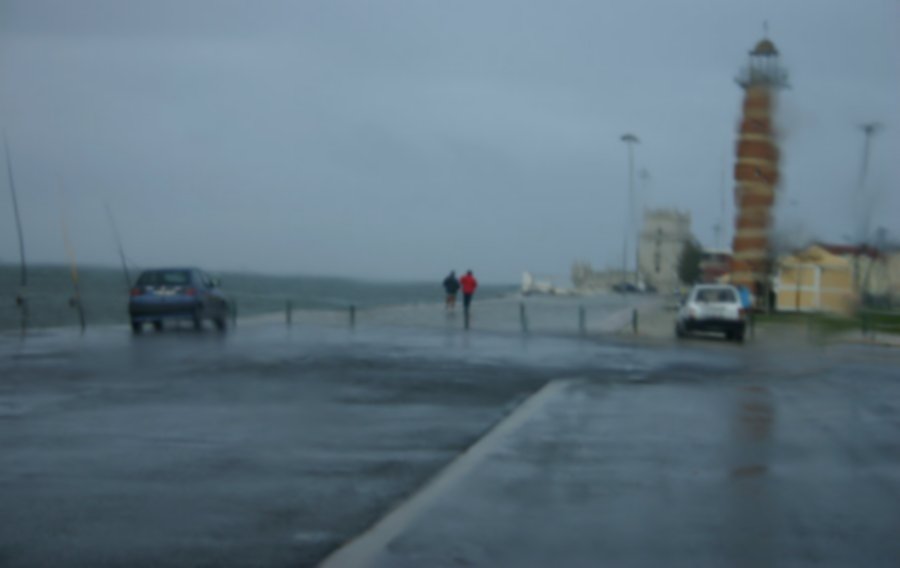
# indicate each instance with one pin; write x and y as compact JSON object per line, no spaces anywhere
{"x":137,"y":327}
{"x":739,"y":336}
{"x":220,"y":323}
{"x":157,"y":325}
{"x":729,"y":335}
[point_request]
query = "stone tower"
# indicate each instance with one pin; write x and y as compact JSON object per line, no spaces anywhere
{"x":756,"y":170}
{"x":662,"y":239}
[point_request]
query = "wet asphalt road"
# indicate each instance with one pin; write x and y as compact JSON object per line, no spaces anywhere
{"x":268,"y":447}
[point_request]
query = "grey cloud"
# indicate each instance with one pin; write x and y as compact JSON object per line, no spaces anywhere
{"x":400,"y":139}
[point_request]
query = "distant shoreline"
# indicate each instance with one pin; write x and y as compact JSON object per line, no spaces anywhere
{"x":134,"y":271}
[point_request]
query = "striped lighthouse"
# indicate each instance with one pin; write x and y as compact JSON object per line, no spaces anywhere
{"x":756,"y":169}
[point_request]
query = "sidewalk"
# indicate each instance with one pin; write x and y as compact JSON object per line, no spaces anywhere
{"x":665,"y":474}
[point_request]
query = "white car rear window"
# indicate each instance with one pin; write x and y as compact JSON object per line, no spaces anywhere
{"x":715,"y":296}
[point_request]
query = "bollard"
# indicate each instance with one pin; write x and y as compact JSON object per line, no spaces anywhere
{"x":352,"y":315}
{"x":523,"y":317}
{"x":289,"y":313}
{"x":634,"y":321}
{"x":582,"y":320}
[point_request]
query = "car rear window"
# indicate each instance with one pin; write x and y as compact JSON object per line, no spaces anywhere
{"x":716,"y":295}
{"x":165,"y":278}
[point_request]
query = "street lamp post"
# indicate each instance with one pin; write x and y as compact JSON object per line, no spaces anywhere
{"x":630,"y":140}
{"x":869,"y":129}
{"x":868,"y":203}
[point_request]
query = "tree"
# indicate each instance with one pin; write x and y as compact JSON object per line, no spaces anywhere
{"x":689,"y":262}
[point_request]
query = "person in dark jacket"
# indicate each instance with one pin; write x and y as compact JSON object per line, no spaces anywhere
{"x":451,"y":286}
{"x":468,"y":284}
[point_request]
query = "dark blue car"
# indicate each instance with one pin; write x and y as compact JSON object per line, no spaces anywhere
{"x":176,"y":294}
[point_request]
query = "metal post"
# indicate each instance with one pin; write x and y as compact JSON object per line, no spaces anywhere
{"x":523,"y":317}
{"x":582,"y":320}
{"x":289,"y":313}
{"x":352,"y":315}
{"x":634,"y":321}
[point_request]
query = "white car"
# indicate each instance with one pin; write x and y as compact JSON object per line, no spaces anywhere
{"x":712,"y":307}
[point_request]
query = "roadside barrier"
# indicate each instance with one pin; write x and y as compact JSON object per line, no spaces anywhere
{"x":553,"y":316}
{"x":581,"y":316}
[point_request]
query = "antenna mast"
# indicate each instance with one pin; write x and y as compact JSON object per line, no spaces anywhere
{"x":115,"y":228}
{"x":12,"y":189}
{"x":23,"y":268}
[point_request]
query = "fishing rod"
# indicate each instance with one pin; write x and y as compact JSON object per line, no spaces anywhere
{"x":115,"y":228}
{"x":75,"y":301}
{"x":21,"y":301}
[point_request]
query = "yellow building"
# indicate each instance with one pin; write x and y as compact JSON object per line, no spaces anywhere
{"x":830,"y":278}
{"x":815,"y":280}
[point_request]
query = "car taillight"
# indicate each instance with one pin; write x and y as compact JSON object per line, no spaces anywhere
{"x":191,"y":291}
{"x":135,"y":292}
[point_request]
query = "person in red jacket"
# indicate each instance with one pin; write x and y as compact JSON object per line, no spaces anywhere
{"x":468,"y":284}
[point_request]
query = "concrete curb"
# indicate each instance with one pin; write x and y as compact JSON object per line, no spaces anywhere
{"x":875,"y":341}
{"x":362,"y":550}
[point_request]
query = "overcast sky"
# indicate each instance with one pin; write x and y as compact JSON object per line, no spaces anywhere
{"x":391,"y":139}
